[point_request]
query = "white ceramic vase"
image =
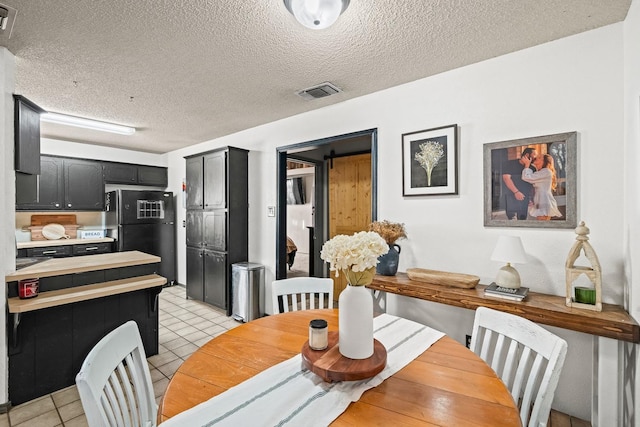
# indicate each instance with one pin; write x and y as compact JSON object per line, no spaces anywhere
{"x":355,"y":322}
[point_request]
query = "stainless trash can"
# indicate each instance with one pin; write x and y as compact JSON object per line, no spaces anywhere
{"x":247,"y":291}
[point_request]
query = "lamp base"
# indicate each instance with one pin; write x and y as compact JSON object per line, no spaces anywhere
{"x":508,"y":277}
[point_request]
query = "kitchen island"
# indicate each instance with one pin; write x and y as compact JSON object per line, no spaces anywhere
{"x":80,"y":300}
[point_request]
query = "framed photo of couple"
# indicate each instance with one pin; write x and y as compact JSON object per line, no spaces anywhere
{"x":531,"y":182}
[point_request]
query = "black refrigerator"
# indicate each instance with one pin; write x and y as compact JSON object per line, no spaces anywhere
{"x":143,"y":220}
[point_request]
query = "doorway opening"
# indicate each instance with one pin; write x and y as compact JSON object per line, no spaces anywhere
{"x":320,"y":156}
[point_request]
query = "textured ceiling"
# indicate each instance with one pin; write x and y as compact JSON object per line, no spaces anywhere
{"x":187,"y":71}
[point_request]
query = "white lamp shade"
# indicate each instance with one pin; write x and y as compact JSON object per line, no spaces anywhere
{"x":316,"y":14}
{"x":509,"y":249}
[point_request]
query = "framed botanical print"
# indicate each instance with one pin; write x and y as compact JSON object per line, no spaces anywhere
{"x":531,"y":182}
{"x":430,"y":162}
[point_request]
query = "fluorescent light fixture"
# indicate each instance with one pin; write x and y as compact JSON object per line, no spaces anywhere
{"x":63,"y":119}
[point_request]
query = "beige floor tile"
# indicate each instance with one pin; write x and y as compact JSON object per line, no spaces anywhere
{"x":203,"y":341}
{"x":159,"y":387}
{"x":162,"y":359}
{"x":178,"y":342}
{"x":80,"y":421}
{"x":47,"y":419}
{"x":215,"y":329}
{"x":31,"y":409}
{"x":156,"y":375}
{"x":195,"y":336}
{"x":185,"y":331}
{"x":170,"y":368}
{"x":186,"y":350}
{"x":65,"y":396}
{"x":70,"y":411}
{"x":4,"y":420}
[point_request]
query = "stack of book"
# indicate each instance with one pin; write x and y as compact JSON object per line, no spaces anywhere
{"x":496,"y":291}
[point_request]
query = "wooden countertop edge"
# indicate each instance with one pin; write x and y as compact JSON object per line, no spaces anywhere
{"x":62,"y":242}
{"x":84,"y":293}
{"x":612,"y":322}
{"x":81,"y":264}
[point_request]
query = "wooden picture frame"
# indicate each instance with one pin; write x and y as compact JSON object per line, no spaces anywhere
{"x":430,"y":162}
{"x":502,"y":160}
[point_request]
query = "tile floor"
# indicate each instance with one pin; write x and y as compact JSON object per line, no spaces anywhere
{"x":184,"y":326}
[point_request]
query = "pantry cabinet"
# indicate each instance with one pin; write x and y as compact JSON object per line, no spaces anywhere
{"x":217,"y":222}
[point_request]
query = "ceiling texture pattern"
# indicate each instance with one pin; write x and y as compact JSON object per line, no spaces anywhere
{"x":188,"y":71}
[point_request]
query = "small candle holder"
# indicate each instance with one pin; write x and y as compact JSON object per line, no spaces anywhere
{"x":318,"y":334}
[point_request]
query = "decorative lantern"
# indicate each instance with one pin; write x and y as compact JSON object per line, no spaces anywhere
{"x":583,"y":297}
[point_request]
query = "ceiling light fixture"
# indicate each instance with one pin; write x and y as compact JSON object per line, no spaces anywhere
{"x":63,"y":119}
{"x":316,"y":14}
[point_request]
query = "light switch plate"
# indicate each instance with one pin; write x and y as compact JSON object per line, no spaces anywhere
{"x":271,"y":211}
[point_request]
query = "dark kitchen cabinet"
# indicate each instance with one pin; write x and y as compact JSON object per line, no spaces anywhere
{"x":127,"y":173}
{"x":215,"y":180}
{"x":217,"y":222}
{"x":63,"y":184}
{"x":216,"y":274}
{"x":83,"y":185}
{"x":195,"y":273}
{"x":42,"y":192}
{"x":120,"y":173}
{"x":152,"y":175}
{"x":27,"y":135}
{"x":195,"y":182}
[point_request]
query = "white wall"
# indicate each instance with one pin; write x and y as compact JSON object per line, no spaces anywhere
{"x":7,"y":200}
{"x":632,"y":179}
{"x":573,"y":84}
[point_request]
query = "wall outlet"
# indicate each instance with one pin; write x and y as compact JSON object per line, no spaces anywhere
{"x":271,"y":211}
{"x":468,"y":341}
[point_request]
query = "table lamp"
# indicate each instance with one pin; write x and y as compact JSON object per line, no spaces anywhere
{"x":509,"y":249}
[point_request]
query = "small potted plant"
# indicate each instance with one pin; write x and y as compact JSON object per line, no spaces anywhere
{"x":390,"y":232}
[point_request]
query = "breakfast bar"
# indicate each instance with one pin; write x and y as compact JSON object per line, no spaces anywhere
{"x":79,"y":300}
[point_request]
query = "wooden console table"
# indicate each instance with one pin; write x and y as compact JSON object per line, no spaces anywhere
{"x":612,"y":322}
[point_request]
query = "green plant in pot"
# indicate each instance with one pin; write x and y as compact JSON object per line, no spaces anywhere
{"x":390,"y":232}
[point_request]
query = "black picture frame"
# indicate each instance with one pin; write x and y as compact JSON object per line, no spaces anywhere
{"x":501,"y":159}
{"x":430,"y":162}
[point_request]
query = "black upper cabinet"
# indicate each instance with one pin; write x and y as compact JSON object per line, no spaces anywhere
{"x":120,"y":173}
{"x":27,"y":135}
{"x":44,"y":191}
{"x":63,"y":183}
{"x":152,"y":175}
{"x":83,"y":185}
{"x":215,"y":180}
{"x":126,"y":173}
{"x":195,"y":182}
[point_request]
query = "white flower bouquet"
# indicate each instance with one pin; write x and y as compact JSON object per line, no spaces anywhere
{"x":354,"y":254}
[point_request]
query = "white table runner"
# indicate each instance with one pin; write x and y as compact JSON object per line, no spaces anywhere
{"x":289,"y":395}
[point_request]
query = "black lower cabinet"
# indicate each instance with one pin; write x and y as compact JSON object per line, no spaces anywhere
{"x":49,"y":345}
{"x":215,"y":279}
{"x":195,"y":274}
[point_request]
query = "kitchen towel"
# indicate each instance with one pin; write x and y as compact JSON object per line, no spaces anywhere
{"x":289,"y":395}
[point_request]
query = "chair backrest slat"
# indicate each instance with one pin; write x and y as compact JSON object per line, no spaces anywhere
{"x":303,"y":292}
{"x":114,"y":382}
{"x":529,"y":365}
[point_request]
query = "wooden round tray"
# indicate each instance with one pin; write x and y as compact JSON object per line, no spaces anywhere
{"x":332,"y":366}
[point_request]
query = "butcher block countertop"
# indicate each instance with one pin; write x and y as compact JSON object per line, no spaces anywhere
{"x":61,"y":266}
{"x":61,"y":242}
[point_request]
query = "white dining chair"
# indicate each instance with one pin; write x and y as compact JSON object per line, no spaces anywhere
{"x":299,"y":293}
{"x":527,"y":358}
{"x":114,"y":382}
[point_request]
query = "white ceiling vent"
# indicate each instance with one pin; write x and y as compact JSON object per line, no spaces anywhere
{"x":319,"y":91}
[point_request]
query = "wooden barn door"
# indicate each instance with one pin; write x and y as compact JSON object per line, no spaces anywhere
{"x":349,"y":201}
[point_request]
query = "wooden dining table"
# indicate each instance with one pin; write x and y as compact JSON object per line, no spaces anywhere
{"x":447,"y":385}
